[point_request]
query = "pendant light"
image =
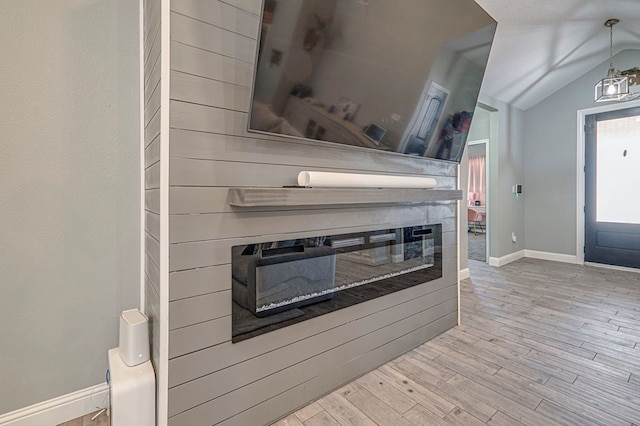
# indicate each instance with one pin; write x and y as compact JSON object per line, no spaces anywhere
{"x":614,"y":86}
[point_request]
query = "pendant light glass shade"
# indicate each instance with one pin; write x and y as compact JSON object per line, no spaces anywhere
{"x":614,"y":86}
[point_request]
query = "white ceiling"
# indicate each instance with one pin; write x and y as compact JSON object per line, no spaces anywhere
{"x":542,"y":45}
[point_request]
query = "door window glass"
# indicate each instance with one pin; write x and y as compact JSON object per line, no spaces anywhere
{"x":618,"y":170}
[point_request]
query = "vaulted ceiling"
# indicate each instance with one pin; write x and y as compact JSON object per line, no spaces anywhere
{"x":542,"y":45}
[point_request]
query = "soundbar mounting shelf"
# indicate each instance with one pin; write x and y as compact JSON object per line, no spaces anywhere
{"x":295,"y":196}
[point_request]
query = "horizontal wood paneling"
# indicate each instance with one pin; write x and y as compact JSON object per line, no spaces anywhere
{"x":236,"y":401}
{"x":151,"y":25}
{"x":211,"y":379}
{"x":312,"y":359}
{"x":185,"y":312}
{"x":196,"y":282}
{"x":196,"y":33}
{"x":152,"y":55}
{"x":213,"y":333}
{"x":152,"y":248}
{"x":192,"y":172}
{"x":221,"y":15}
{"x":251,"y":6}
{"x":199,"y":254}
{"x":152,"y":200}
{"x":301,"y":350}
{"x":152,"y":103}
{"x":152,"y":288}
{"x":192,"y":200}
{"x":152,"y":176}
{"x":152,"y":259}
{"x":203,"y":335}
{"x":152,"y":153}
{"x":184,"y":228}
{"x":269,"y":150}
{"x":152,"y":272}
{"x":153,"y":224}
{"x":441,"y":210}
{"x":192,"y":60}
{"x":334,"y":377}
{"x":449,"y":238}
{"x":152,"y":309}
{"x":450,"y":252}
{"x":198,"y":90}
{"x":201,"y":341}
{"x":151,"y":59}
{"x":152,"y":90}
{"x":202,"y":118}
{"x":191,"y":228}
{"x":152,"y":131}
{"x":198,"y":364}
{"x":207,"y":119}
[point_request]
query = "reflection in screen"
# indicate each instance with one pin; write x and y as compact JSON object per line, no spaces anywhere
{"x":330,"y":69}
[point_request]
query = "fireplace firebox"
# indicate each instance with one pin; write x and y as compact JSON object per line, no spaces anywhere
{"x":279,"y":283}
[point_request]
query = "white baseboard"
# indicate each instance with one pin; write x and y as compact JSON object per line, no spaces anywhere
{"x":463,"y":274}
{"x":60,"y":409}
{"x":511,"y":257}
{"x":614,"y":267}
{"x":533,"y":254}
{"x":556,"y":257}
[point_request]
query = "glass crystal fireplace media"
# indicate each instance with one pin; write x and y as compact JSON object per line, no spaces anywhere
{"x":275,"y":284}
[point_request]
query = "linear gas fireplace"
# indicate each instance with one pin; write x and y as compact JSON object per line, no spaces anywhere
{"x":279,"y":283}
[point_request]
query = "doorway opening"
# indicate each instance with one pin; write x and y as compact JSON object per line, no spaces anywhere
{"x":477,"y":185}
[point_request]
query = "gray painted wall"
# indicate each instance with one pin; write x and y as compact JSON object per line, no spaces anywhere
{"x":70,"y":202}
{"x":550,"y":138}
{"x":480,"y":125}
{"x":503,"y":126}
{"x":478,"y":149}
{"x":506,"y":167}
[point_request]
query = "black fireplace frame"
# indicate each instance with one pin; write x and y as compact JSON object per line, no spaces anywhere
{"x":249,"y":319}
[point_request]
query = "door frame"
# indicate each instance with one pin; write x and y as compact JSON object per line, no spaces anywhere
{"x":580,"y":164}
{"x":485,"y":142}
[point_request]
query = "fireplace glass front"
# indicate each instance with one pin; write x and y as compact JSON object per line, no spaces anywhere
{"x":279,"y":283}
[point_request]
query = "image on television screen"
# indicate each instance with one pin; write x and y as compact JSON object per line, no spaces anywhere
{"x":401,"y":77}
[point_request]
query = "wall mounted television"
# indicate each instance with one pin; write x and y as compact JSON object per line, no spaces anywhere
{"x":331,"y":69}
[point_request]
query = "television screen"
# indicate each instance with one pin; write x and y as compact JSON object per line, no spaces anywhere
{"x":398,"y":76}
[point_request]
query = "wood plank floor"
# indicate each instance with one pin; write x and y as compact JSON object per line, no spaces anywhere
{"x":541,"y":343}
{"x":101,"y":420}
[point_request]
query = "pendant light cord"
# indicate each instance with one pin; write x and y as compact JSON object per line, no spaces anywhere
{"x":610,"y":46}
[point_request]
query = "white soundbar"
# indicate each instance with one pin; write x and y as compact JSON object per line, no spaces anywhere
{"x":353,"y":180}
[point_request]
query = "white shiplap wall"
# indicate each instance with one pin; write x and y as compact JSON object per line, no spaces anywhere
{"x":211,"y":380}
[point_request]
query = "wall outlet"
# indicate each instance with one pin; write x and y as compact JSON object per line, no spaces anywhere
{"x":514,"y":237}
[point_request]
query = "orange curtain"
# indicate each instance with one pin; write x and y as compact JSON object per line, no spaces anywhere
{"x":477,"y":178}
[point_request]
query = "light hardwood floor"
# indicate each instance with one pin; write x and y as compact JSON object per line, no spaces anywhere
{"x":541,"y":343}
{"x":101,"y":420}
